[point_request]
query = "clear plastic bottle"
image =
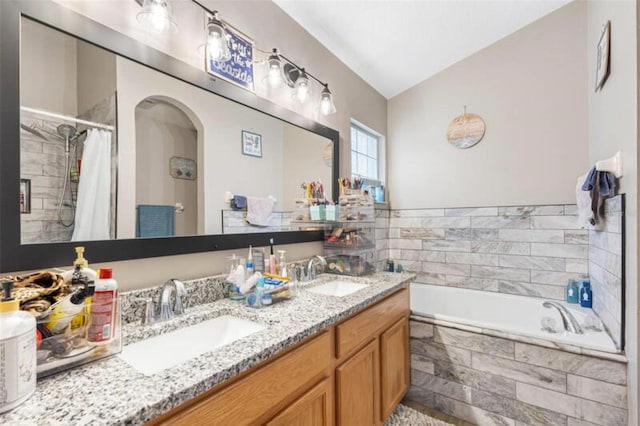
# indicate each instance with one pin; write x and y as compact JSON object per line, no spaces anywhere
{"x":17,"y":352}
{"x":103,"y":308}
{"x":282,"y":263}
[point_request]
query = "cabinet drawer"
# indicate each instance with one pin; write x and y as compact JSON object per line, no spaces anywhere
{"x":357,"y":330}
{"x":247,"y":401}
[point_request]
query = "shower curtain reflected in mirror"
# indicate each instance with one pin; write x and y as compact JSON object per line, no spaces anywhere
{"x":94,"y":188}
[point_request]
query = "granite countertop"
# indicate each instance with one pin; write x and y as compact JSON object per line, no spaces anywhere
{"x":110,"y":392}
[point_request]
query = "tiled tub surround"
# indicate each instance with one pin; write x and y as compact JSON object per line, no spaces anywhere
{"x":605,"y":267}
{"x":524,"y":250}
{"x":109,"y":392}
{"x":509,"y":315}
{"x":489,"y":380}
{"x":235,"y":222}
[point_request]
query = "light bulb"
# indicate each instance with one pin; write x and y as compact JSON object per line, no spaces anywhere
{"x":274,"y":75}
{"x":217,"y":43}
{"x":326,"y":102}
{"x":302,"y":87}
{"x":214,"y":44}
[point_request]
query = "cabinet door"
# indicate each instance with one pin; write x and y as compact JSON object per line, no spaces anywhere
{"x":315,"y":408}
{"x":358,"y":388}
{"x":394,"y":365}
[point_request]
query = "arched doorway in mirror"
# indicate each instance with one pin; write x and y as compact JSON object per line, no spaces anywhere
{"x":167,"y":184}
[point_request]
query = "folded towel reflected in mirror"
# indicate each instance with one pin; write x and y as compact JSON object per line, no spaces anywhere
{"x":259,"y":210}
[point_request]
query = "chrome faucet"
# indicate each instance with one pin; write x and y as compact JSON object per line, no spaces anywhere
{"x":311,"y":267}
{"x":166,"y":311}
{"x":570,"y":323}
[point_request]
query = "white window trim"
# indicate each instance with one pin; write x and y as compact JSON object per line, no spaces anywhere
{"x":382,"y":150}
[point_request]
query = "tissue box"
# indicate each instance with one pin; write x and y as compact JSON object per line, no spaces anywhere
{"x":69,"y":348}
{"x":318,"y":212}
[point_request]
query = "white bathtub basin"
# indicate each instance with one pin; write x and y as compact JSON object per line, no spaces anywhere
{"x":169,"y":349}
{"x":337,"y":288}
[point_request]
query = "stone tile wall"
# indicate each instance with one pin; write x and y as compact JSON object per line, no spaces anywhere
{"x":495,"y":381}
{"x":235,"y":222}
{"x":524,"y":250}
{"x":605,"y":268}
{"x":43,"y":163}
{"x":382,"y":238}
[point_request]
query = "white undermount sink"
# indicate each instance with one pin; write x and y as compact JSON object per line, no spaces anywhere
{"x":337,"y":288}
{"x":157,"y":353}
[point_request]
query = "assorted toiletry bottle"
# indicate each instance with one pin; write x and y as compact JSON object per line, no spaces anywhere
{"x":249,"y":268}
{"x":64,"y":311}
{"x":17,"y":351}
{"x":103,"y":308}
{"x":572,"y":292}
{"x":586,"y":296}
{"x":80,"y":269}
{"x":579,"y":291}
{"x":281,"y":268}
{"x":272,"y":258}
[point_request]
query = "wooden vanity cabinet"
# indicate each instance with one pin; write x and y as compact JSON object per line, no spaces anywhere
{"x":352,"y":373}
{"x":358,"y":387}
{"x":315,"y":408}
{"x":372,"y":353}
{"x":394,"y":366}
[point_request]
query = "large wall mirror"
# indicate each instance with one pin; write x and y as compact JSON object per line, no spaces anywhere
{"x":158,"y":144}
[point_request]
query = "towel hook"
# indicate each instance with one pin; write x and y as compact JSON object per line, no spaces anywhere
{"x":613,"y":165}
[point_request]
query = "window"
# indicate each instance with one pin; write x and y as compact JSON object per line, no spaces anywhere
{"x":365,"y":153}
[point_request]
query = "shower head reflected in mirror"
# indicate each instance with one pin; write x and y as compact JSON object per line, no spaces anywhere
{"x":67,"y":132}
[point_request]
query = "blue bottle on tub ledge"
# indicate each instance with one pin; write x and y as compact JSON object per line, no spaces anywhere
{"x":573,"y":292}
{"x":586,"y":296}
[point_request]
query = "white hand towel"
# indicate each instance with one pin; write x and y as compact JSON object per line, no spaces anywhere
{"x":583,"y":200}
{"x":259,"y":210}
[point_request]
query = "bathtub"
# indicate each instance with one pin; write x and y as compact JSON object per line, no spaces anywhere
{"x":502,"y":313}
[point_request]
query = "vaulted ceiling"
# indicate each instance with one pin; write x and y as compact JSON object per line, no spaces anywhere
{"x":396,"y":44}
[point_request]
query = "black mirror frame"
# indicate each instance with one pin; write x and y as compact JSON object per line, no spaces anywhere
{"x":15,"y":256}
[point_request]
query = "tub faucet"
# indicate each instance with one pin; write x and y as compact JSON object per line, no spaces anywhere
{"x":311,"y":267}
{"x":166,"y":311}
{"x":570,"y":323}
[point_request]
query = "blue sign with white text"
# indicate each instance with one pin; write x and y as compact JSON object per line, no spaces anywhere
{"x":239,"y":68}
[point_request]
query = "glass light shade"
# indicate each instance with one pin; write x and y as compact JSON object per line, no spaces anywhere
{"x":326,"y":102}
{"x":274,"y":74}
{"x":217,"y":41}
{"x":157,"y":16}
{"x":301,"y":87}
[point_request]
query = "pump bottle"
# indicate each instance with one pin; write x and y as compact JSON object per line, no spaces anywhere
{"x":80,"y":269}
{"x":17,"y":352}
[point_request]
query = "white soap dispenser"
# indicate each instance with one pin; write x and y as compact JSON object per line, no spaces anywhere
{"x":80,"y":269}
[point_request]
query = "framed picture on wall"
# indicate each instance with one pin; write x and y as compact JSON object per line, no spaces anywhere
{"x":25,"y":195}
{"x":603,"y":55}
{"x":251,"y":144}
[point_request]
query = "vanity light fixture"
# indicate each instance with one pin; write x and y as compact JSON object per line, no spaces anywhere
{"x":274,"y":72}
{"x":157,"y":16}
{"x":326,"y":101}
{"x":301,"y":87}
{"x":217,"y":39}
